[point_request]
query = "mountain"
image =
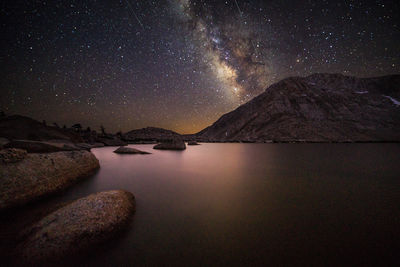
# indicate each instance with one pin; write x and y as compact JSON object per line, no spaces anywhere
{"x":20,"y":127}
{"x":317,"y":108}
{"x":150,"y":134}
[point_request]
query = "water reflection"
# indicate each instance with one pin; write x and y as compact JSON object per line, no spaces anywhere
{"x":254,"y":204}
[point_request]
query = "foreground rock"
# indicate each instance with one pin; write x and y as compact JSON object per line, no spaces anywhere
{"x":36,"y":175}
{"x":42,"y":147}
{"x":174,"y":144}
{"x":77,"y":227}
{"x":129,"y":150}
{"x":317,"y":108}
{"x":193,"y":143}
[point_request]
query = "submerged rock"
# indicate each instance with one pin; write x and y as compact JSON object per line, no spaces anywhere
{"x":129,"y":150}
{"x":42,"y":147}
{"x":77,"y":227}
{"x":12,"y":155}
{"x":193,"y":143}
{"x":37,"y":175}
{"x":174,"y":144}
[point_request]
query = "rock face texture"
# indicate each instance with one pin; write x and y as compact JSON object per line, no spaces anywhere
{"x":150,"y":134}
{"x":29,"y":176}
{"x":12,"y":155}
{"x":173,"y":144}
{"x":77,"y":226}
{"x":129,"y":150}
{"x":320,"y":108}
{"x":24,"y":128}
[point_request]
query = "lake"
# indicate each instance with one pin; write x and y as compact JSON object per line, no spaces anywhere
{"x":254,"y":204}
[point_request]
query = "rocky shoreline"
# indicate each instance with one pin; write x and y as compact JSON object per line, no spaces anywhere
{"x":43,"y":160}
{"x":35,"y":230}
{"x":36,"y":162}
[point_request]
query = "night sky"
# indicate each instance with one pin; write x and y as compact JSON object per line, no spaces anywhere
{"x":179,"y":64}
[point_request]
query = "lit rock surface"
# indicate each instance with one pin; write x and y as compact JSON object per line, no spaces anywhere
{"x":37,"y":175}
{"x":320,"y":108}
{"x":129,"y":150}
{"x":77,"y":227}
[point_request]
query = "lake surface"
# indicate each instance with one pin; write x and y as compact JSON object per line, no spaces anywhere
{"x":254,"y":204}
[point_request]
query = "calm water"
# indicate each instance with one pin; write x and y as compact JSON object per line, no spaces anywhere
{"x":255,"y":204}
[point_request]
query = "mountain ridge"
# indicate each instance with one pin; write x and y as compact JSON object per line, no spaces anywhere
{"x":318,"y":108}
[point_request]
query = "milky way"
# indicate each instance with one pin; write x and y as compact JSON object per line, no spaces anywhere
{"x":179,"y":64}
{"x":228,"y":48}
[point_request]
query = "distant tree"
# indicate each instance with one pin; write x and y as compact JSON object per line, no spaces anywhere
{"x":103,"y":130}
{"x":64,"y":127}
{"x":119,"y":134}
{"x":88,"y":130}
{"x":44,"y":123}
{"x":56,"y":125}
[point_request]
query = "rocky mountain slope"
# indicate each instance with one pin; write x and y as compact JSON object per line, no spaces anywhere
{"x":317,"y":108}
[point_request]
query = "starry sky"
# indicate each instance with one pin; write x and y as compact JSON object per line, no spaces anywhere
{"x":179,"y":64}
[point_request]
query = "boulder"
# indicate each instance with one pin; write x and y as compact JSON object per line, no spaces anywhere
{"x":173,"y":144}
{"x":77,"y":227}
{"x":12,"y":155}
{"x":41,"y":147}
{"x":129,"y":150}
{"x":38,"y":175}
{"x":193,"y":143}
